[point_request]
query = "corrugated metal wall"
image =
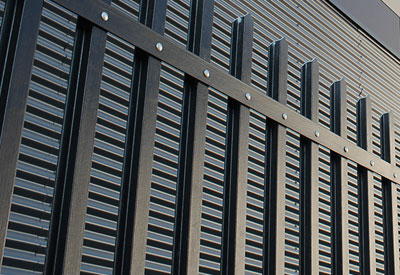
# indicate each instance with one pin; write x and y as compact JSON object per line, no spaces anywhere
{"x":34,"y":183}
{"x":313,"y":29}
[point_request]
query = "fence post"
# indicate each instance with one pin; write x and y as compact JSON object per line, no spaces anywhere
{"x":365,"y":191}
{"x":71,"y":191}
{"x":339,"y":189}
{"x":309,"y":250}
{"x":389,"y":199}
{"x":236,"y":158}
{"x":130,"y":255}
{"x":274,"y":186}
{"x":186,"y":248}
{"x":18,"y":42}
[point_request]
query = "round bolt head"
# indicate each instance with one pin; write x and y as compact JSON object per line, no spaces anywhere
{"x":372,"y":163}
{"x":248,"y":96}
{"x":395,"y":175}
{"x":206,"y":73}
{"x":346,"y":149}
{"x":104,"y":16}
{"x":159,"y":47}
{"x":316,"y":133}
{"x":284,"y":116}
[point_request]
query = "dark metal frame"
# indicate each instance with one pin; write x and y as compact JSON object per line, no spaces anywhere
{"x":151,"y":48}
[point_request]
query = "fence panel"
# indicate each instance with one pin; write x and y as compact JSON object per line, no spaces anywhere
{"x":183,"y":197}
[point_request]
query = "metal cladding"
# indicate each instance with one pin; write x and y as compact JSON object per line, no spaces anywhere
{"x":185,"y":137}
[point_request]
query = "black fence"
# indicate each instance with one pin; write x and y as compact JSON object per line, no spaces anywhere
{"x":96,"y":19}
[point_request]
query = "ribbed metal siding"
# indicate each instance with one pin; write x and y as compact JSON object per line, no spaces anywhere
{"x":33,"y":188}
{"x":105,"y":180}
{"x":312,"y":28}
{"x":106,"y":172}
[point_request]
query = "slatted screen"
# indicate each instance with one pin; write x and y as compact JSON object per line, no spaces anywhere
{"x":313,"y":29}
{"x":28,"y":226}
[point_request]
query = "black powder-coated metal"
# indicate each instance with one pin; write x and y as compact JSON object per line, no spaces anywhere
{"x":309,"y":258}
{"x":339,"y":189}
{"x":365,"y":190}
{"x":56,"y":220}
{"x":389,"y":199}
{"x":186,"y":248}
{"x":274,"y":184}
{"x":235,"y":176}
{"x":8,"y":35}
{"x":16,"y":73}
{"x":139,"y":143}
{"x":67,"y":225}
{"x":69,"y":209}
{"x":124,"y":27}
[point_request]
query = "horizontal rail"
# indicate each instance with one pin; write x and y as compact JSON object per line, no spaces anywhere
{"x":144,"y":38}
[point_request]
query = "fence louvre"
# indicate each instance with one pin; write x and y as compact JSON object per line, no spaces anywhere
{"x":139,"y":147}
{"x":309,"y":251}
{"x":339,"y":189}
{"x":389,"y":199}
{"x":186,"y":248}
{"x":235,"y":177}
{"x":18,"y":39}
{"x":365,"y":191}
{"x":274,"y":186}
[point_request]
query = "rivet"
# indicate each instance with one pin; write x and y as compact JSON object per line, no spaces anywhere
{"x":395,"y":175}
{"x":248,"y":96}
{"x":316,"y":133}
{"x":206,"y":73}
{"x":346,"y":149}
{"x":284,"y":116}
{"x":159,"y":47}
{"x":372,"y":163}
{"x":104,"y":16}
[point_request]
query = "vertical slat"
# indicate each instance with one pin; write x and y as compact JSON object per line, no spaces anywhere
{"x":365,"y":191}
{"x":339,"y":189}
{"x":274,"y":187}
{"x":139,"y":147}
{"x":8,"y":35}
{"x":186,"y":248}
{"x":389,"y":199}
{"x":309,"y":251}
{"x":236,"y":158}
{"x":67,"y":225}
{"x":15,"y":81}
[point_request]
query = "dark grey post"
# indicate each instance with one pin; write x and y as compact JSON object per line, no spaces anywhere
{"x":236,"y":156}
{"x":63,"y":255}
{"x":186,"y":248}
{"x":133,"y":217}
{"x":309,"y":250}
{"x":339,"y":189}
{"x":389,"y":199}
{"x":365,"y":191}
{"x":274,"y":190}
{"x":18,"y":42}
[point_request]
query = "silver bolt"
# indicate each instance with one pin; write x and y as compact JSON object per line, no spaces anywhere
{"x":206,"y":73}
{"x":104,"y":16}
{"x":284,"y":116}
{"x":248,"y":96}
{"x":316,"y":133}
{"x":372,"y":163}
{"x":346,"y":149}
{"x":159,"y":47}
{"x":395,"y":175}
